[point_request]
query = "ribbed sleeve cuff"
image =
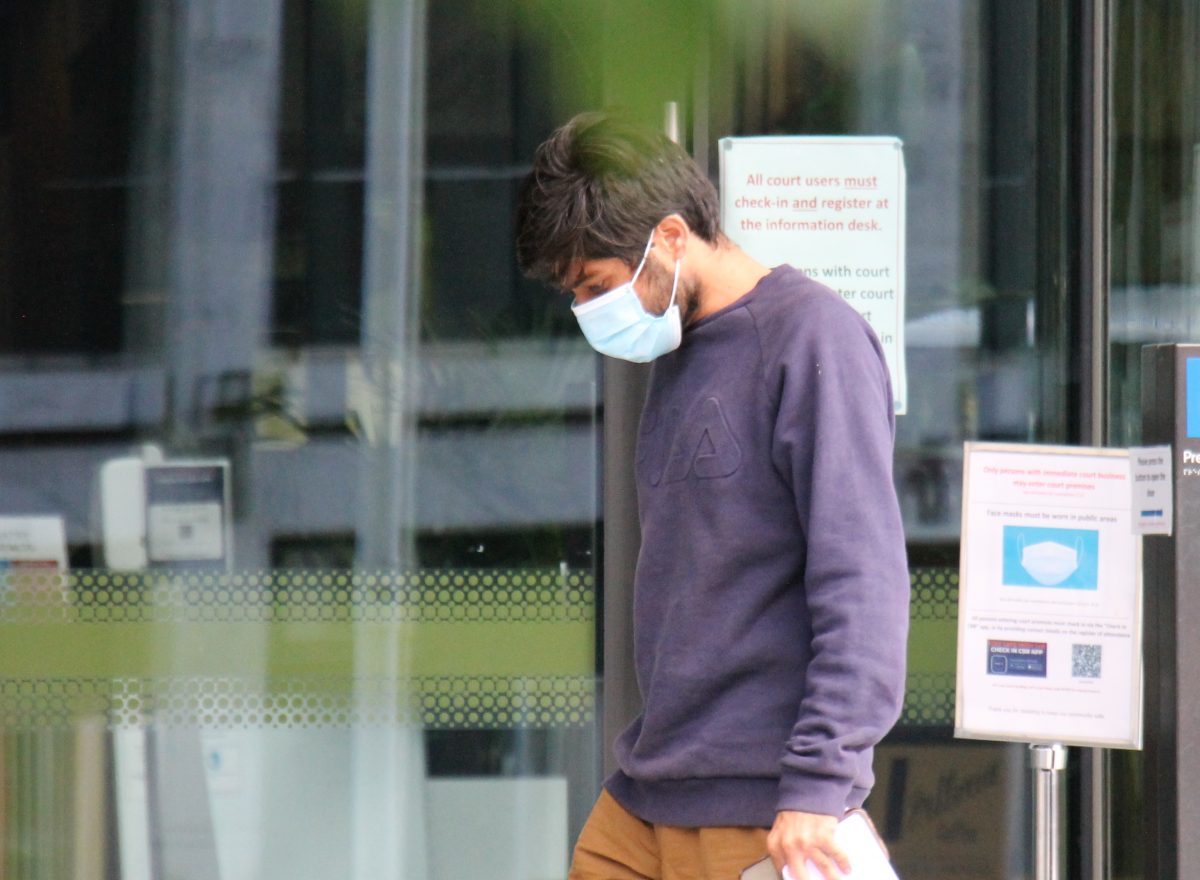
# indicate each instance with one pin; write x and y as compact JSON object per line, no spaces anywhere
{"x":825,"y":795}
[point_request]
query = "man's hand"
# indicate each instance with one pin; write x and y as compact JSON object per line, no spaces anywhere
{"x":797,"y":837}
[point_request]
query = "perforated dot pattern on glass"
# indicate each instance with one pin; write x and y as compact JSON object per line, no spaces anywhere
{"x":496,"y":600}
{"x":934,"y":594}
{"x":435,"y":648}
{"x":933,"y":613}
{"x":481,"y":702}
{"x":297,"y":596}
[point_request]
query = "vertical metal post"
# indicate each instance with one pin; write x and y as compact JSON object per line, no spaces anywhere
{"x":671,"y":120}
{"x":1095,"y":183}
{"x":1096,"y":140}
{"x":1095,"y":119}
{"x":391,"y":299}
{"x":1048,"y":762}
{"x":387,"y":762}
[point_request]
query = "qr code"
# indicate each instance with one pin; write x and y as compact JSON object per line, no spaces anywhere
{"x":1085,"y":661}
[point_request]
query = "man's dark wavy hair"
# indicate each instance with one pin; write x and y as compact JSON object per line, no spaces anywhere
{"x":599,"y":185}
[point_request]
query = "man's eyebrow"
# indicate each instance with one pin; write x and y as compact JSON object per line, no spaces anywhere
{"x":575,"y":280}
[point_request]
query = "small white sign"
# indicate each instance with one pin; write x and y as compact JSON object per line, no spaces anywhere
{"x":1050,"y":597}
{"x":187,"y":512}
{"x":185,"y":532}
{"x":33,"y":544}
{"x":1153,"y":492}
{"x":834,"y":208}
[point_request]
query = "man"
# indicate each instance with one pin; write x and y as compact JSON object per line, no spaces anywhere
{"x":771,"y":593}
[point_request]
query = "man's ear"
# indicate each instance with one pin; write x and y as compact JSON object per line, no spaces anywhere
{"x":671,"y":237}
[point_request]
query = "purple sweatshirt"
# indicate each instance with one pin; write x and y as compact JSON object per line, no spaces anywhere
{"x":771,"y":595}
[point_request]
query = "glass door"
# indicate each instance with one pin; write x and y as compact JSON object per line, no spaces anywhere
{"x":977,"y":93}
{"x":1155,"y":264}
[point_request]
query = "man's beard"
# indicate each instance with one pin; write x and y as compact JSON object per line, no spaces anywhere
{"x":659,"y":281}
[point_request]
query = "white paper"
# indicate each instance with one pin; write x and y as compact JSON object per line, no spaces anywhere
{"x":1153,"y":496}
{"x":860,"y":843}
{"x":833,"y":207}
{"x":1049,"y":628}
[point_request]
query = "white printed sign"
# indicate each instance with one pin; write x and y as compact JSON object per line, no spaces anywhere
{"x":185,"y":532}
{"x":187,"y":512}
{"x":1050,"y":597}
{"x":1153,"y":497}
{"x":832,"y":207}
{"x":35,"y":544}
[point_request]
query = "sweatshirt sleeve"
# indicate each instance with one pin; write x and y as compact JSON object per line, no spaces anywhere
{"x":833,"y":443}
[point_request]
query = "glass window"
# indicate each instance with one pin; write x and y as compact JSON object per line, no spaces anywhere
{"x":1155,"y":209}
{"x":298,"y":477}
{"x":299,"y":504}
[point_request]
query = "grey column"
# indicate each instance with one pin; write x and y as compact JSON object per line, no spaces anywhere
{"x":1172,"y":626}
{"x":624,"y":393}
{"x":202,"y":247}
{"x":221,"y":214}
{"x":201,"y":231}
{"x":625,"y":387}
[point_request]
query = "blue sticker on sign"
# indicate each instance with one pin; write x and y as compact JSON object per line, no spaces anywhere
{"x":1193,"y":397}
{"x":1017,"y":658}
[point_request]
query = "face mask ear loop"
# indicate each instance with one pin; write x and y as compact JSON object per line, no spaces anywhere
{"x":674,"y":284}
{"x":645,"y":254}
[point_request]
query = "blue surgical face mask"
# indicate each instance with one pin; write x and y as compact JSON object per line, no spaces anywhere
{"x":616,"y":323}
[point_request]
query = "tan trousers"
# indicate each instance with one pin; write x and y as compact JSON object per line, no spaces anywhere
{"x":616,"y":845}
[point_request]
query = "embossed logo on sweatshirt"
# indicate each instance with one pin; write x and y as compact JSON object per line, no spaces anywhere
{"x":702,"y":445}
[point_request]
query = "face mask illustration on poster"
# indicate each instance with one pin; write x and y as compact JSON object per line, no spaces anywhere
{"x":1049,"y":562}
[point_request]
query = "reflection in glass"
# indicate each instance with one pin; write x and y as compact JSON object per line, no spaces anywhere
{"x":317,"y":468}
{"x":1156,"y":218}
